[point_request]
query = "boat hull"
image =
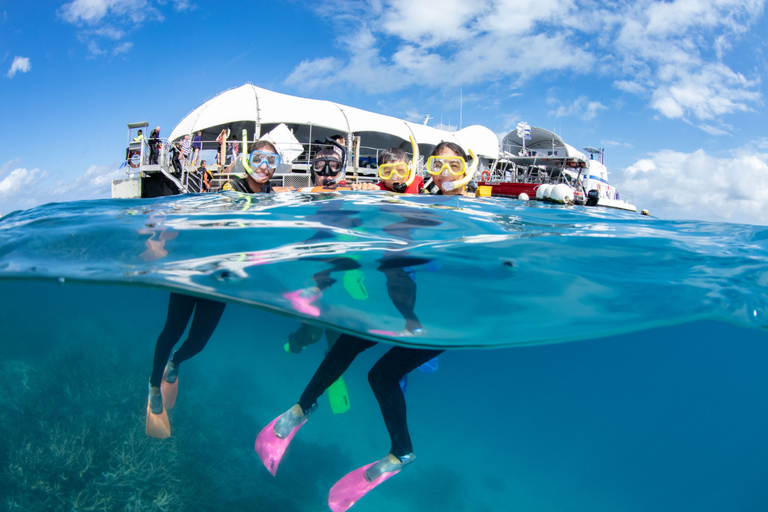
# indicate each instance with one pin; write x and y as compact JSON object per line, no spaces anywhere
{"x":511,"y":189}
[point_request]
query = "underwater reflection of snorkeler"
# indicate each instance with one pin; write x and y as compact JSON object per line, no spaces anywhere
{"x":259,"y":166}
{"x":396,"y":176}
{"x":384,"y":377}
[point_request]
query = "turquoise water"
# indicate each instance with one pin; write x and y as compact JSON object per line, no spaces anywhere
{"x":659,"y":402}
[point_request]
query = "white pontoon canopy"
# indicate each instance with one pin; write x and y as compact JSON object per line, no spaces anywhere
{"x":542,"y":144}
{"x":258,"y":111}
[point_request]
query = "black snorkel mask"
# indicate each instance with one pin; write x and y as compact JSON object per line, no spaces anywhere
{"x":332,"y":166}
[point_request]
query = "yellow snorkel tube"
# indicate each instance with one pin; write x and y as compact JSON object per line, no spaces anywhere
{"x":414,"y":162}
{"x":453,"y":185}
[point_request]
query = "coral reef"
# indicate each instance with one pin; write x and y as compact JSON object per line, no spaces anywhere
{"x":76,"y":441}
{"x":72,"y":439}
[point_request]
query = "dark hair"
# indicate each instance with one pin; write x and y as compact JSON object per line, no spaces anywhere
{"x":391,"y":155}
{"x":202,"y":162}
{"x":259,"y":145}
{"x":326,"y":152}
{"x":452,"y":146}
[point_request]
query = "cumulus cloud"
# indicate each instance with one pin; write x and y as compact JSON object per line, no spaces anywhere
{"x":581,"y":107}
{"x":92,"y":12}
{"x":669,"y":53}
{"x":98,"y":21}
{"x":702,"y":186}
{"x":21,"y":188}
{"x":19,"y":65}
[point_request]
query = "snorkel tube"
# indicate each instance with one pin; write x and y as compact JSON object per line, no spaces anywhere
{"x":453,"y":185}
{"x":244,"y":159}
{"x":401,"y":187}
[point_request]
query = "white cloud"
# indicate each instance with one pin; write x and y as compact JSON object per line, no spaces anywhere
{"x":667,"y":52}
{"x":702,"y":186}
{"x":94,"y":11}
{"x":99,"y":20}
{"x":122,"y":48}
{"x":18,"y":190}
{"x":580,"y":107}
{"x":19,"y":65}
{"x":22,"y":188}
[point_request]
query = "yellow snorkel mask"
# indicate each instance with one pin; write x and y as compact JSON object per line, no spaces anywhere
{"x":455,"y":165}
{"x":402,"y":170}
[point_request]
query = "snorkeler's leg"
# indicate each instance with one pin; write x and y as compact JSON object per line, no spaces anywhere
{"x":324,"y":280}
{"x":206,"y":318}
{"x":274,"y":439}
{"x":384,"y":379}
{"x":302,"y":299}
{"x":401,"y":287}
{"x":335,"y":363}
{"x":180,"y":309}
{"x":305,"y":335}
{"x":207,"y":315}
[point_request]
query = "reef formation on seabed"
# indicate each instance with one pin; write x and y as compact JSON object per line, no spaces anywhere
{"x":73,"y":437}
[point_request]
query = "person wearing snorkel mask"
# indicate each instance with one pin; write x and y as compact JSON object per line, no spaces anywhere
{"x":396,"y":174}
{"x":387,"y":375}
{"x":328,"y":168}
{"x":205,"y":314}
{"x":259,"y":166}
{"x":449,"y":170}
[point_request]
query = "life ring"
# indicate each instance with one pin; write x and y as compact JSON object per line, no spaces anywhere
{"x":484,"y":174}
{"x":134,"y":159}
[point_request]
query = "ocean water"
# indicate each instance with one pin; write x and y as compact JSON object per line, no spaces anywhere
{"x":598,"y":360}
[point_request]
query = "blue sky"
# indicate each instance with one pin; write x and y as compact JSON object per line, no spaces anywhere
{"x":674,"y":90}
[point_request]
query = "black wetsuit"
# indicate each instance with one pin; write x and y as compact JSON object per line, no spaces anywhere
{"x":386,"y":374}
{"x":180,"y":308}
{"x":154,"y":139}
{"x":384,"y":379}
{"x":207,"y":314}
{"x":241,"y":185}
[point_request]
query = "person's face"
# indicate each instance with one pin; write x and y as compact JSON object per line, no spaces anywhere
{"x":396,"y":175}
{"x":445,"y":176}
{"x":262,"y":172}
{"x":328,"y":164}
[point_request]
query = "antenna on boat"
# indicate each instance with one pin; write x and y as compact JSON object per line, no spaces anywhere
{"x":461,"y":105}
{"x":426,"y":119}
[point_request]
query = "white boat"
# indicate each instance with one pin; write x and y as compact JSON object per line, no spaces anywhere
{"x":538,"y":163}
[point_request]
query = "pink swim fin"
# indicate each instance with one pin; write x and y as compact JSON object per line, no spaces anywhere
{"x":353,"y":486}
{"x":271,"y":448}
{"x":302,"y":300}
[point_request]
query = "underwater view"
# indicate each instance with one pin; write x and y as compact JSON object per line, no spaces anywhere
{"x":595,"y":360}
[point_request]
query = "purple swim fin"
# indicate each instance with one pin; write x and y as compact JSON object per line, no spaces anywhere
{"x":271,"y":448}
{"x":353,"y":486}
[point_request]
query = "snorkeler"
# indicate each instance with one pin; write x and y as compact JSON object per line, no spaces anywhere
{"x":448,"y":167}
{"x":386,"y":375}
{"x":259,"y":166}
{"x":397,"y":175}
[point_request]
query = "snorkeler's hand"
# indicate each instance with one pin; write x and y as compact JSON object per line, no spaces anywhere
{"x":364,"y":186}
{"x":282,"y":189}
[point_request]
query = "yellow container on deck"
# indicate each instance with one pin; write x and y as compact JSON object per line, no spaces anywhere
{"x":483,"y":191}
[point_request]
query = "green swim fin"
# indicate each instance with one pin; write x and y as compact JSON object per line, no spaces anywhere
{"x":353,"y":283}
{"x":337,"y":395}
